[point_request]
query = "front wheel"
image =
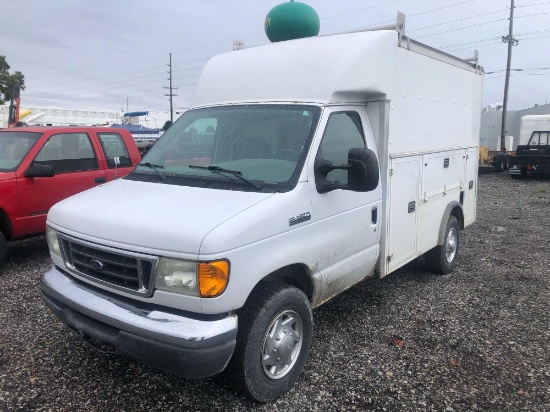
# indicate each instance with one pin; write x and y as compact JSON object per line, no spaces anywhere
{"x":442,"y":259}
{"x":273,"y":342}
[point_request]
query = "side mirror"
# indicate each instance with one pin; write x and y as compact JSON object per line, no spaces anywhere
{"x":38,"y":170}
{"x":364,"y":176}
{"x":362,"y":170}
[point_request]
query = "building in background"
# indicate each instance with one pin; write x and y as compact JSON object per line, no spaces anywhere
{"x":40,"y":116}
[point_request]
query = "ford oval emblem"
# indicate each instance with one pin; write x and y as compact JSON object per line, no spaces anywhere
{"x":96,"y":264}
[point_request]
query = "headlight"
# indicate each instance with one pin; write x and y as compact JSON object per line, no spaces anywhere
{"x":177,"y":276}
{"x":206,"y":279}
{"x":53,"y":243}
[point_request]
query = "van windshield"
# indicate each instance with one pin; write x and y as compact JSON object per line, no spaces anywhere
{"x":14,"y":146}
{"x":253,"y":147}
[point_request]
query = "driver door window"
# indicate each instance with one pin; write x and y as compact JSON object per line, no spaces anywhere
{"x":343,"y":132}
{"x":68,"y":152}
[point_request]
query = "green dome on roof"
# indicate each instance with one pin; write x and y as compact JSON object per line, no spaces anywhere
{"x":292,"y":20}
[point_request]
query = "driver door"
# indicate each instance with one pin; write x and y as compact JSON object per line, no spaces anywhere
{"x":347,"y":223}
{"x":74,"y":161}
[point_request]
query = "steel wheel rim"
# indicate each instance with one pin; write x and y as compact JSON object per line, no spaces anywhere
{"x":281,"y":344}
{"x":451,"y":245}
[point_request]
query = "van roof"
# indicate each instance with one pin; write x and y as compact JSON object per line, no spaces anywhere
{"x":329,"y":69}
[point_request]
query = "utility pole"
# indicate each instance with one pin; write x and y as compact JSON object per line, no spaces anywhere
{"x":171,"y":94}
{"x":511,"y":42}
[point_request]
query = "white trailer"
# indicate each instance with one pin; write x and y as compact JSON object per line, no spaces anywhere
{"x":321,"y":161}
{"x":532,"y":156}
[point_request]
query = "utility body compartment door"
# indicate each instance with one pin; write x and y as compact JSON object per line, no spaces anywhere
{"x":403,"y":209}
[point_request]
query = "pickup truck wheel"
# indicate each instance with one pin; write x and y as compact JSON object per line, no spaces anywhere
{"x":498,"y":161}
{"x":3,"y":249}
{"x":442,"y":259}
{"x":273,"y":342}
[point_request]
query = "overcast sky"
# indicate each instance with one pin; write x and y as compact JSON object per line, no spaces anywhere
{"x":97,"y":54}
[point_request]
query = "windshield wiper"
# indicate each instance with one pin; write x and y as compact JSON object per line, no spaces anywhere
{"x":220,"y":170}
{"x":155,"y":168}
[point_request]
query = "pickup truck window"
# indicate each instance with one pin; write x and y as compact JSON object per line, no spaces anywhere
{"x":14,"y":146}
{"x":343,"y":132}
{"x":68,"y":152}
{"x":539,"y":139}
{"x":262,"y":144}
{"x":114,"y":146}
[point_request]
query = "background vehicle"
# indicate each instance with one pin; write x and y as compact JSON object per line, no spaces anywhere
{"x":303,"y":167}
{"x":493,"y":156}
{"x":532,"y":156}
{"x":39,"y":166}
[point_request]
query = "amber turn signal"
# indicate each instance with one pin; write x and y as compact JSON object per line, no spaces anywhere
{"x":213,"y":278}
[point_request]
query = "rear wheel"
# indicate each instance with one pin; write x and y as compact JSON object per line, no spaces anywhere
{"x":499,"y":162}
{"x":273,"y":342}
{"x":442,"y":259}
{"x":3,"y":249}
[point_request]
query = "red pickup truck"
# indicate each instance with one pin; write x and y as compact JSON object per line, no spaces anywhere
{"x":39,"y":166}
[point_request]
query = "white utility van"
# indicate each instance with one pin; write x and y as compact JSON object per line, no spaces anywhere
{"x":303,"y":167}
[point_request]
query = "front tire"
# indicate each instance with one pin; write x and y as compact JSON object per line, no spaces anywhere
{"x":273,"y":342}
{"x":442,"y":259}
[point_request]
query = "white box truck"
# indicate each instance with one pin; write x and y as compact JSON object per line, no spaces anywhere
{"x":303,"y":167}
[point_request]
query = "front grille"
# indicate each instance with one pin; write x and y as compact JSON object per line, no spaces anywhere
{"x":121,"y":269}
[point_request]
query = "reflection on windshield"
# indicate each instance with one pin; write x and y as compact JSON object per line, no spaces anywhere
{"x":14,"y":146}
{"x":263,"y":143}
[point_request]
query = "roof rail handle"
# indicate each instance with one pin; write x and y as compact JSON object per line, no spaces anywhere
{"x":398,"y":26}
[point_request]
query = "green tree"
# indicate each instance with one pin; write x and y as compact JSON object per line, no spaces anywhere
{"x":9,"y":81}
{"x":167,"y":125}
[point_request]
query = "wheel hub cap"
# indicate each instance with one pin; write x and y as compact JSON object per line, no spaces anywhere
{"x":281,"y":344}
{"x":451,"y":245}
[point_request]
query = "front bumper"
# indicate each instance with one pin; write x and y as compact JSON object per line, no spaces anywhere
{"x":181,"y":345}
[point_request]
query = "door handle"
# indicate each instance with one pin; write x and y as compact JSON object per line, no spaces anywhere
{"x":99,"y":180}
{"x":374,"y":215}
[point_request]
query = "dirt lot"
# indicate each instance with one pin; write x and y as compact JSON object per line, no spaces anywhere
{"x":477,"y":339}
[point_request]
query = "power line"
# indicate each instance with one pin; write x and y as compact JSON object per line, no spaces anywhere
{"x":414,"y":15}
{"x":517,"y":74}
{"x":491,"y":38}
{"x":533,"y":4}
{"x":519,"y":70}
{"x":461,"y":28}
{"x":357,"y":10}
{"x":479,"y":24}
{"x":191,"y":61}
{"x":115,"y":85}
{"x":500,"y":42}
{"x":68,"y":71}
{"x":454,"y":21}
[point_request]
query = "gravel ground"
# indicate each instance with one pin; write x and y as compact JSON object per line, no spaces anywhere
{"x":476,"y":339}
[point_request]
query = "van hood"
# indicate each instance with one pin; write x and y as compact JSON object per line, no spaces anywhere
{"x":149,"y":216}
